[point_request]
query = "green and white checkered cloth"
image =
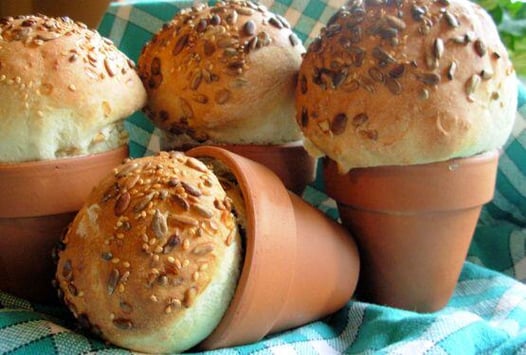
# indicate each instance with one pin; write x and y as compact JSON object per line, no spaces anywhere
{"x":487,"y":313}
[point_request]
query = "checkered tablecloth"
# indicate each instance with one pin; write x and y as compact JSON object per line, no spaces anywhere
{"x":487,"y":313}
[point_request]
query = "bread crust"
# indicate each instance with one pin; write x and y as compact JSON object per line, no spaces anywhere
{"x":64,"y":89}
{"x":225,"y":74}
{"x":406,"y":82}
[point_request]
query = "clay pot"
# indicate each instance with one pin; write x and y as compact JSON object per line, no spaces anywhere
{"x":299,"y":265}
{"x":39,"y":200}
{"x":290,"y":161}
{"x":413,"y":225}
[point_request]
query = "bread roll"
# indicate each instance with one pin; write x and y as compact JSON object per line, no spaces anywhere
{"x":151,"y":261}
{"x":64,"y":90}
{"x":223,"y":74}
{"x":406,"y":82}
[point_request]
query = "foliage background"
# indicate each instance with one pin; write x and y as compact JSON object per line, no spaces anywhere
{"x":510,"y":17}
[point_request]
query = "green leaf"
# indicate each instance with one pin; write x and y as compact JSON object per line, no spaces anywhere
{"x":516,"y":28}
{"x":510,"y":18}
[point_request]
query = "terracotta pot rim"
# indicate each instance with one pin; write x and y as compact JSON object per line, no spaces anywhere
{"x":473,"y":159}
{"x":405,"y":189}
{"x":291,"y":144}
{"x":47,"y":187}
{"x":52,"y":163}
{"x":260,"y":242}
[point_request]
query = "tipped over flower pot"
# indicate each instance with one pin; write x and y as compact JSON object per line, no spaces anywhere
{"x":169,"y":252}
{"x":413,"y":225}
{"x":39,"y":200}
{"x":299,"y":265}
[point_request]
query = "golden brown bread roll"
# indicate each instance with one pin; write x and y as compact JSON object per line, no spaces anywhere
{"x":151,"y":261}
{"x":64,"y":90}
{"x":223,"y":74}
{"x":406,"y":82}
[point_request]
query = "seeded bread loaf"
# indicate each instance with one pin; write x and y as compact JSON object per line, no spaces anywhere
{"x":151,"y":261}
{"x":64,"y":90}
{"x":223,"y":74}
{"x":406,"y":82}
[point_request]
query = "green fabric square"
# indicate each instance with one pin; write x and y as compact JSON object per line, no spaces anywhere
{"x":314,"y":9}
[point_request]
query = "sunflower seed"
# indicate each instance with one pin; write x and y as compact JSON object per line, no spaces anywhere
{"x":283,"y":21}
{"x":203,"y":249}
{"x":304,"y":117}
{"x":189,"y":297}
{"x":395,"y":22}
{"x":382,"y":56}
{"x":429,"y":78}
{"x":339,"y":78}
{"x":263,"y":39}
{"x":303,"y":84}
{"x":438,"y":48}
{"x":351,"y":85}
{"x":393,"y":85}
{"x":333,"y":29}
{"x":338,"y":124}
{"x":472,"y":84}
{"x":180,"y":44}
{"x":249,"y":28}
{"x":359,"y":119}
{"x":451,"y":19}
{"x":293,"y":39}
{"x":452,"y":69}
{"x":181,"y":202}
{"x":418,"y":12}
{"x":231,"y":18}
{"x":222,"y":96}
{"x":245,"y":11}
{"x":124,"y":324}
{"x":225,"y":41}
{"x":122,"y":203}
{"x":370,"y":134}
{"x":202,"y":211}
{"x":486,"y":74}
{"x":388,"y":32}
{"x":67,"y":271}
{"x":125,"y":307}
{"x":201,"y":26}
{"x":459,"y":39}
{"x":126,"y":169}
{"x":215,"y":20}
{"x":480,"y":48}
{"x":113,"y":280}
{"x":143,"y":202}
{"x":159,"y":224}
{"x":172,"y":242}
{"x":196,"y":79}
{"x":376,"y":74}
{"x":275,"y":22}
{"x":397,"y":71}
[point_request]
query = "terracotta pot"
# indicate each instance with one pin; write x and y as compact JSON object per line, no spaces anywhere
{"x":39,"y":200}
{"x":290,"y":162}
{"x":299,"y":265}
{"x":413,"y":225}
